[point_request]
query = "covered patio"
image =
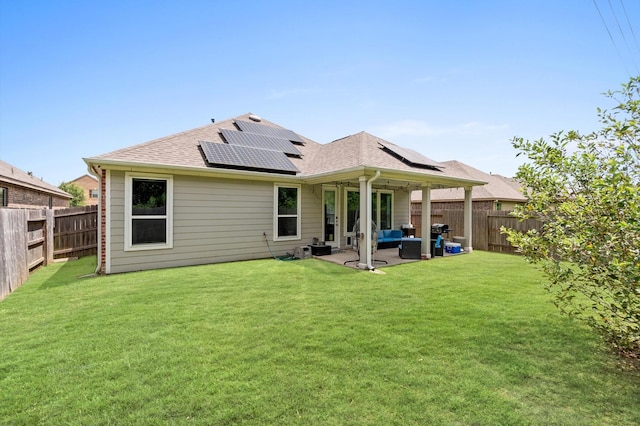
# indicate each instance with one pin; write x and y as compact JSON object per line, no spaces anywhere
{"x":382,"y":258}
{"x":362,"y":168}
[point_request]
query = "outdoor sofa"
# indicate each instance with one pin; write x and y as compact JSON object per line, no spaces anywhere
{"x":389,"y":238}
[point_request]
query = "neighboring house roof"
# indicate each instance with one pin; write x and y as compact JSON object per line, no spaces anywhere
{"x":83,"y":178}
{"x":15,"y":176}
{"x":344,"y":158}
{"x":497,"y":188}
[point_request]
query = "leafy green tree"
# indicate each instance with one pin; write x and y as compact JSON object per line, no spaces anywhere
{"x":77,"y":193}
{"x":586,"y":191}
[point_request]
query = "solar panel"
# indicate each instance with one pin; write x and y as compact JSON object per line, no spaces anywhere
{"x":254,"y":140}
{"x":242,"y":157}
{"x":276,"y":132}
{"x":410,"y":156}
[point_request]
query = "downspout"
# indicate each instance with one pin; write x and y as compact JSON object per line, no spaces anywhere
{"x":367,"y":234}
{"x":92,"y":170}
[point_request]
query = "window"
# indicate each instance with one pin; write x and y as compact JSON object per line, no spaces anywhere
{"x":353,"y":207}
{"x":4,"y":198}
{"x":385,"y":210}
{"x":93,"y":193}
{"x":148,"y":210}
{"x":381,"y":208}
{"x":287,"y":212}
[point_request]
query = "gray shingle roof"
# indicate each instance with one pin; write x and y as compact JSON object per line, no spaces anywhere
{"x":497,"y":188}
{"x":15,"y":176}
{"x":358,"y":150}
{"x":182,"y":149}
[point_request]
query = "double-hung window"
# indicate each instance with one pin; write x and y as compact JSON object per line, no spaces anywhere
{"x":287,"y":212}
{"x":148,"y":211}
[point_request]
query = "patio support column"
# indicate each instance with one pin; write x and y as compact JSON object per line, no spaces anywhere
{"x":468,"y":219}
{"x":365,"y":252}
{"x":426,"y":219}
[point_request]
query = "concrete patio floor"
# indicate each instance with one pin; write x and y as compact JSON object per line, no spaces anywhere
{"x":389,"y":255}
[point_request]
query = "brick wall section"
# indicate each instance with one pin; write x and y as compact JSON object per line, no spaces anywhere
{"x":459,"y":205}
{"x":20,"y":197}
{"x":416,"y":208}
{"x":103,"y":221}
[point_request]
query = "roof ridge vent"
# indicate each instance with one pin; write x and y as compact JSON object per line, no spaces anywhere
{"x":254,"y":117}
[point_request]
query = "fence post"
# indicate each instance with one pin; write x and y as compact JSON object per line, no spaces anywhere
{"x":48,"y":231}
{"x":13,"y":250}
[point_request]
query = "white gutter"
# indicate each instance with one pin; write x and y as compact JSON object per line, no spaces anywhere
{"x":189,"y":170}
{"x":348,"y":173}
{"x":367,"y":232}
{"x":447,"y":181}
{"x":92,"y":170}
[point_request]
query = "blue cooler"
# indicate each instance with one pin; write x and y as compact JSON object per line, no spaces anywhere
{"x":452,"y":248}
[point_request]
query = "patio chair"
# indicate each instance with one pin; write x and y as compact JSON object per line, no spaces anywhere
{"x":355,"y":242}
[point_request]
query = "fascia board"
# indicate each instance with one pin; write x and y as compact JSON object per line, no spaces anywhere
{"x":191,"y":171}
{"x":413,"y":177}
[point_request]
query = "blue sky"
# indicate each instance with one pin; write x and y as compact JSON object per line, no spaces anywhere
{"x":450,"y":79}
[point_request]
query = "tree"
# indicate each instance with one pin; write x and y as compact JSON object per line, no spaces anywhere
{"x":77,"y":193}
{"x":586,"y":191}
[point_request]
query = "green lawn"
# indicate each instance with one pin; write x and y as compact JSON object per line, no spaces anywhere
{"x":469,"y":339}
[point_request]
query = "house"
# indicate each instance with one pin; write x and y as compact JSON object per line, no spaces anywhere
{"x":19,"y":189}
{"x":247,"y":188}
{"x":89,"y":185}
{"x":500,"y":193}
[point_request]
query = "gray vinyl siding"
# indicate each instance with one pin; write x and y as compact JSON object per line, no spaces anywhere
{"x":402,"y":208}
{"x":214,"y":220}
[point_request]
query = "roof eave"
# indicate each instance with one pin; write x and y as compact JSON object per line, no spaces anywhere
{"x":188,"y":170}
{"x":394,"y":174}
{"x":24,"y":184}
{"x":331,"y":176}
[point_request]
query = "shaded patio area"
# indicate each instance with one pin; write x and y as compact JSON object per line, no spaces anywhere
{"x":389,"y":255}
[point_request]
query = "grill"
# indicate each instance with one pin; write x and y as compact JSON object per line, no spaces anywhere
{"x":437,"y":239}
{"x":439,"y":229}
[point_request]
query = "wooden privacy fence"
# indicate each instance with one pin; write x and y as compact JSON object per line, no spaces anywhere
{"x":486,"y":226}
{"x":27,"y":242}
{"x":32,"y":238}
{"x":76,"y":232}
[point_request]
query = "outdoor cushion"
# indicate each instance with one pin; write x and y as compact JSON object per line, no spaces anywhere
{"x":389,"y":237}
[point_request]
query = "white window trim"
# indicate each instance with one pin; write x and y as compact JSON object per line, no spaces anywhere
{"x":298,"y":215}
{"x":128,"y":217}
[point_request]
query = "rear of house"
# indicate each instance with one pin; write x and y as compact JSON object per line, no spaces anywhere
{"x":246,"y":188}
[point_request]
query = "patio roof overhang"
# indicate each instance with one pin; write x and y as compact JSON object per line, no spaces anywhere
{"x":392,"y":178}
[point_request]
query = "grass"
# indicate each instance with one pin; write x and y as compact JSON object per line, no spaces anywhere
{"x":462,"y":340}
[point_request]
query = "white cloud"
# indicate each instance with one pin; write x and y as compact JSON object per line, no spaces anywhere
{"x":285,"y":93}
{"x":422,"y":128}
